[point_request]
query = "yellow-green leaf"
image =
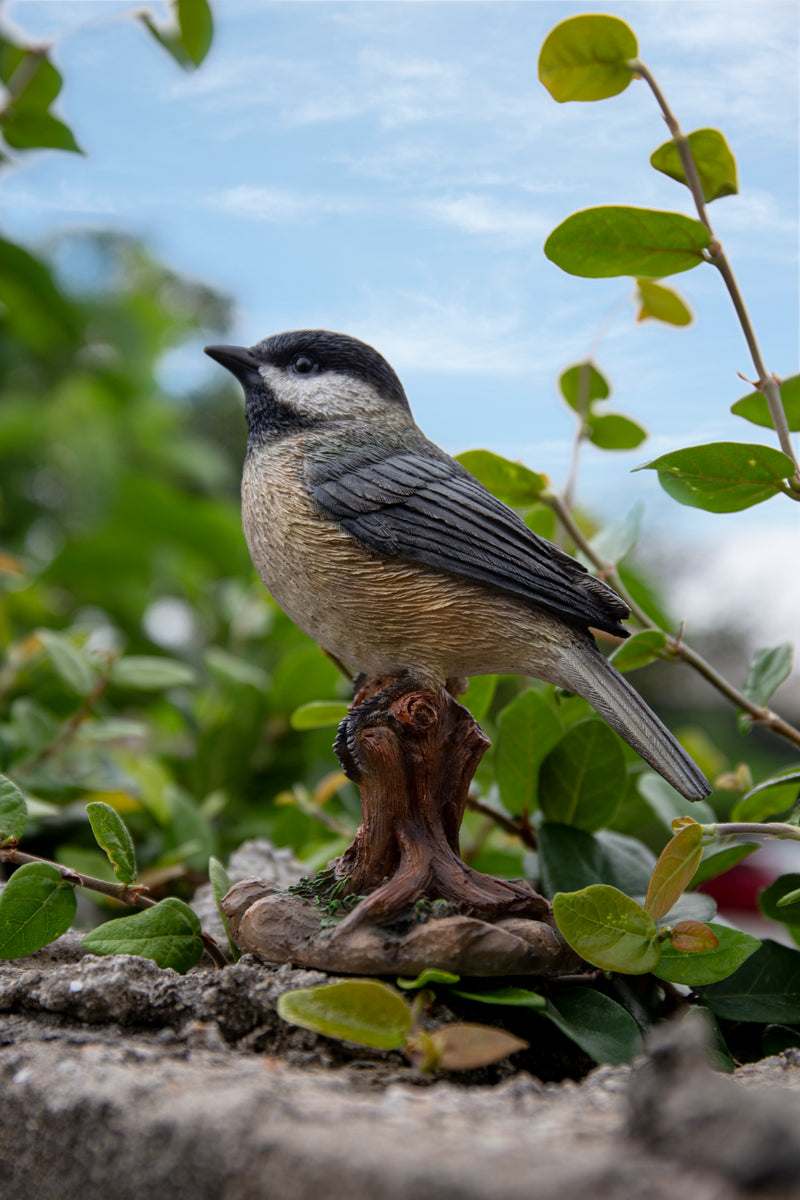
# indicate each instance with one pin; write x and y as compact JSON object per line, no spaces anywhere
{"x":661,"y":303}
{"x":673,"y":871}
{"x":364,"y":1011}
{"x":586,"y":58}
{"x":716,"y":166}
{"x":599,"y":243}
{"x":608,"y":929}
{"x":754,"y":408}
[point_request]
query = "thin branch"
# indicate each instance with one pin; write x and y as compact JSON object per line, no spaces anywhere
{"x":675,"y":647}
{"x":767,"y":383}
{"x":521,"y":828}
{"x":70,"y":727}
{"x":776,"y":829}
{"x":135,"y":895}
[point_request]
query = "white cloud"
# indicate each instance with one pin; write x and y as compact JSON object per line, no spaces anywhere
{"x":476,"y":214}
{"x":279,"y":205}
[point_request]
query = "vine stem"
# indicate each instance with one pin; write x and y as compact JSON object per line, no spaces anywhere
{"x":675,"y":647}
{"x":776,"y":829}
{"x":135,"y":895}
{"x":767,"y":382}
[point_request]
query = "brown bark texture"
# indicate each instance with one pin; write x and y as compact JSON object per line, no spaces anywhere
{"x":413,"y":754}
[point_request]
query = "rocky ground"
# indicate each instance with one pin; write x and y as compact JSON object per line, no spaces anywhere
{"x":119,"y":1079}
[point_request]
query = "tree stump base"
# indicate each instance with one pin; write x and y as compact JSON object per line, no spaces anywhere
{"x":413,"y":901}
{"x":281,"y":927}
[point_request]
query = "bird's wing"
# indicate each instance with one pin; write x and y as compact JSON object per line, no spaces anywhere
{"x":430,"y":510}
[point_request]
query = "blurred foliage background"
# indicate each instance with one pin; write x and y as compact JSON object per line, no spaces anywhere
{"x":142,"y":664}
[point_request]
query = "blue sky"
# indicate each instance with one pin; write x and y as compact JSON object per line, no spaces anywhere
{"x":391,"y":170}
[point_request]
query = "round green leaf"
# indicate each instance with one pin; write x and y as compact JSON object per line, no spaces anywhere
{"x":37,"y":130}
{"x":604,"y":1029}
{"x":772,"y":901}
{"x":363,"y":1011}
{"x":754,"y":408}
{"x":586,"y":58}
{"x":479,"y":695}
{"x":673,"y":872}
{"x":168,"y":933}
{"x":639,"y":650}
{"x":722,"y":476}
{"x":570,"y":859}
{"x":701,"y":967}
{"x":528,"y":728}
{"x":766,"y":987}
{"x":149,"y":673}
{"x":769,"y":798}
{"x":608,"y":929}
{"x":661,"y":303}
{"x":512,"y":482}
{"x":318,"y":714}
{"x":716,"y":166}
{"x":13,"y":811}
{"x":583,"y":778}
{"x":70,"y":663}
{"x":112,"y":835}
{"x":612,"y":431}
{"x":582,"y":384}
{"x":770,"y":666}
{"x":717,"y":862}
{"x":614,"y":240}
{"x":37,"y":905}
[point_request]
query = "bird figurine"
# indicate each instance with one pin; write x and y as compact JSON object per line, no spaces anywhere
{"x":397,"y":561}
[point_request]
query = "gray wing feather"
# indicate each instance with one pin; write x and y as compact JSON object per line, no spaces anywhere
{"x":428,"y":509}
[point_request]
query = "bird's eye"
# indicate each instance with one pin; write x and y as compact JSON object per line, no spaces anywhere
{"x":303,"y":365}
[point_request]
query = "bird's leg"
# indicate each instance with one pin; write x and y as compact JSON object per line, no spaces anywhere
{"x":413,"y":754}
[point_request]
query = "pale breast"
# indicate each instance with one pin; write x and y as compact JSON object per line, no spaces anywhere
{"x":379,"y":615}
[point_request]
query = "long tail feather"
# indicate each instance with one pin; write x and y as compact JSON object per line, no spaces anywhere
{"x":588,"y":673}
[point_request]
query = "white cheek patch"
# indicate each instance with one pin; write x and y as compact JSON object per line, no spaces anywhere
{"x":330,"y":394}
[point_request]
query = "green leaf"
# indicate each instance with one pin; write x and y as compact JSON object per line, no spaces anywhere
{"x":765,"y":988}
{"x":608,"y":929}
{"x":528,"y":729}
{"x":777,"y":902}
{"x":70,"y":663}
{"x":582,"y":384}
{"x":673,"y":872}
{"x":220,"y":886}
{"x":754,"y":408}
{"x":583,"y":779}
{"x":111,"y":834}
{"x":319,"y":714}
{"x":767,"y":672}
{"x":148,"y":673}
{"x":598,"y":243}
{"x":616,"y":540}
{"x":661,"y":304}
{"x":364,"y":1011}
{"x":168,"y":933}
{"x":479,"y":695}
{"x":512,"y":482}
{"x":196,"y":28}
{"x":719,"y":861}
{"x":601,"y":1027}
{"x":510,"y":997}
{"x":228,"y":668}
{"x":716,"y":166}
{"x":586,"y":58}
{"x":777,"y":1038}
{"x":37,"y":131}
{"x":769,"y":798}
{"x":426,"y":978}
{"x":612,"y":431}
{"x":666,"y":804}
{"x":13,"y":812}
{"x":722,"y":476}
{"x":169,"y":38}
{"x":639,"y":650}
{"x":37,"y":905}
{"x":570,"y":859}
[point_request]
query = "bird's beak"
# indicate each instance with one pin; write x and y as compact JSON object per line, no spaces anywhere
{"x":237,"y":359}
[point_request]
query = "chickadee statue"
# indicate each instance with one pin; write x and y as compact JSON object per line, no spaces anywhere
{"x":397,"y":561}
